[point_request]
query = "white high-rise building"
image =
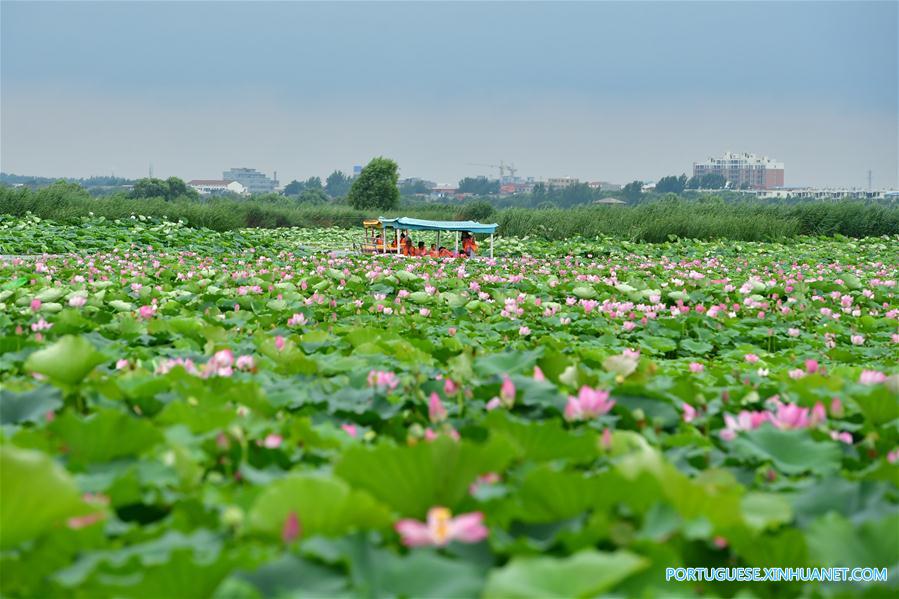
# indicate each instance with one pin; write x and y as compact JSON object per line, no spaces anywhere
{"x":743,"y":170}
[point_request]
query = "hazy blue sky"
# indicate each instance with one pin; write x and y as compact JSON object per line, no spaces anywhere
{"x":609,"y":91}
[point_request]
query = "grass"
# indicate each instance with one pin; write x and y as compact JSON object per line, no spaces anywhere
{"x":706,"y":218}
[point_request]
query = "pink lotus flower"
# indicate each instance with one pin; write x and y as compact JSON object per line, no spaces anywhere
{"x":245,"y":363}
{"x":857,"y":339}
{"x":279,"y":343}
{"x":836,"y":407}
{"x":790,"y":416}
{"x":121,"y":364}
{"x":524,"y":331}
{"x":490,"y":478}
{"x":383,"y":380}
{"x":77,"y":301}
{"x":436,"y":411}
{"x":220,"y":364}
{"x":893,"y":456}
{"x":796,"y":374}
{"x":751,"y":358}
{"x":424,"y":312}
{"x":449,"y":387}
{"x":297,"y":320}
{"x":872,"y":377}
{"x":606,"y":439}
{"x":350,"y":429}
{"x":744,"y":421}
{"x":272,"y":441}
{"x":696,"y":367}
{"x":35,"y":305}
{"x":841,"y":436}
{"x":146,"y":312}
{"x":689,"y":412}
{"x":538,"y":374}
{"x":589,"y":403}
{"x":811,"y":366}
{"x":291,"y":529}
{"x":41,"y":325}
{"x":441,"y":528}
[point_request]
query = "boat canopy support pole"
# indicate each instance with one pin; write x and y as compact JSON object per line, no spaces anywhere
{"x":491,"y":246}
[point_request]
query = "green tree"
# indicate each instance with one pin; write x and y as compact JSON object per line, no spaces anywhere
{"x":170,"y":189}
{"x":294,"y":188}
{"x":313,"y":196}
{"x":712,"y":181}
{"x":671,"y":184}
{"x":481,"y":186}
{"x":376,"y":186}
{"x":409,"y":188}
{"x":633,"y":190}
{"x":337,"y":185}
{"x":476,"y":210}
{"x":149,"y":188}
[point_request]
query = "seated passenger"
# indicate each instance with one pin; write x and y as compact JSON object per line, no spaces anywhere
{"x":421,"y":250}
{"x":444,"y":253}
{"x":469,"y":246}
{"x":433,"y":253}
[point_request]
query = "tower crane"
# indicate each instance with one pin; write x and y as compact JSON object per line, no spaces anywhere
{"x":502,"y":166}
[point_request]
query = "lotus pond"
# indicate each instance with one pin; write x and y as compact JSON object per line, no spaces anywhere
{"x":194,"y":414}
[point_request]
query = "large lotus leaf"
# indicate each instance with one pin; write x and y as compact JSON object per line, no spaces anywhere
{"x":879,"y":405}
{"x":547,"y":440}
{"x":323,"y":506}
{"x":835,"y":541}
{"x":36,"y":494}
{"x":413,"y":479}
{"x":289,"y":573}
{"x":791,"y":451}
{"x":548,"y":495}
{"x":766,"y":510}
{"x":28,"y":406}
{"x":585,"y":574}
{"x":104,"y":435}
{"x":422,"y":573}
{"x":67,"y":361}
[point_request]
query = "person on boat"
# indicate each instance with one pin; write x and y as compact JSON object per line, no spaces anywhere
{"x":444,"y":253}
{"x":421,"y":250}
{"x":434,"y":253}
{"x":469,"y":245}
{"x":408,"y":248}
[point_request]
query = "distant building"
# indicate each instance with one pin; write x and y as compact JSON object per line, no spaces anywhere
{"x":217,"y":186}
{"x":444,"y":190}
{"x":809,"y":193}
{"x":604,"y":186}
{"x":743,"y":170}
{"x":561,"y":182}
{"x":253,"y":180}
{"x":516,"y":187}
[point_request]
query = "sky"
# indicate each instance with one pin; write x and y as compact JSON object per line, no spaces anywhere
{"x":606,"y":91}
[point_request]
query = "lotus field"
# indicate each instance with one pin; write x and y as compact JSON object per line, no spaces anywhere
{"x":194,"y":414}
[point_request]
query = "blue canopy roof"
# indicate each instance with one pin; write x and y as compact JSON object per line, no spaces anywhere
{"x":417,"y":224}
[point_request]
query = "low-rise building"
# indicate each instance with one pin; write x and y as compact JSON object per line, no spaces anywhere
{"x":562,"y":182}
{"x":217,"y":186}
{"x":253,"y":180}
{"x":809,"y":193}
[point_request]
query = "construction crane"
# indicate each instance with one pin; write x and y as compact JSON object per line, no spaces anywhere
{"x":503,"y":167}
